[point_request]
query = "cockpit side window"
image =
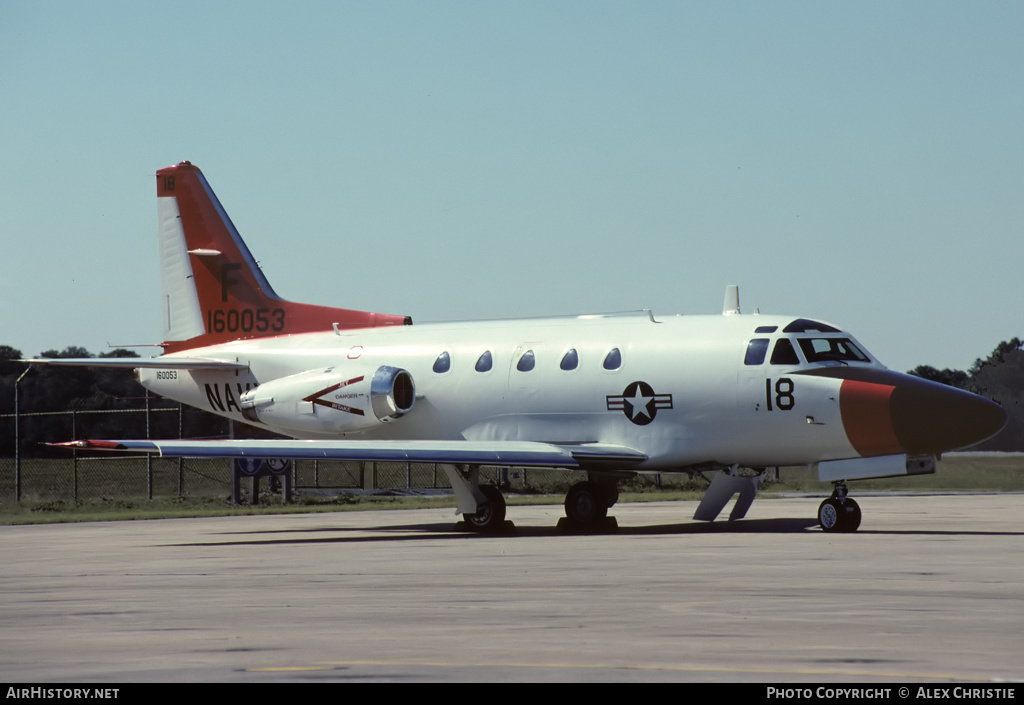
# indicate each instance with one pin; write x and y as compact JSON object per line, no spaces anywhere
{"x":831,"y":350}
{"x":756,"y":351}
{"x":784,"y":353}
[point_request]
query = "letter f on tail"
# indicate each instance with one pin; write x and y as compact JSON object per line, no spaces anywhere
{"x":213,"y":290}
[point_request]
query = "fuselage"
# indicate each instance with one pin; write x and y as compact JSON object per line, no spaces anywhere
{"x":687,"y":391}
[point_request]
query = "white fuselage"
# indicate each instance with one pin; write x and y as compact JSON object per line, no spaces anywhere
{"x":698,"y":404}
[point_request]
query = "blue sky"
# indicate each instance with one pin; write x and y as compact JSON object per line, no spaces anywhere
{"x":857,"y":162}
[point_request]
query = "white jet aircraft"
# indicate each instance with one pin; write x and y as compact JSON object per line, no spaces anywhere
{"x":612,"y":395}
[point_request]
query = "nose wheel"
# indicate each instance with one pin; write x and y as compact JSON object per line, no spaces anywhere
{"x":839,"y":513}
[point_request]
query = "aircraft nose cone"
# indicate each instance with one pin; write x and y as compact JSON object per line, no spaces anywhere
{"x":886,"y":412}
{"x":928,"y":417}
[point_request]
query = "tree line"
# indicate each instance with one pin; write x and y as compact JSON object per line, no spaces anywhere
{"x":999,"y":376}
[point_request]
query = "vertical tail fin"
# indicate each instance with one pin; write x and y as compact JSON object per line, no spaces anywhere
{"x":213,"y":290}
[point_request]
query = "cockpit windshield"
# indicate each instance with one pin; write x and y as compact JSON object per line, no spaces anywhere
{"x":831,"y":350}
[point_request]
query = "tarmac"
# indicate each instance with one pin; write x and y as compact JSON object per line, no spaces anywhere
{"x":930,"y":590}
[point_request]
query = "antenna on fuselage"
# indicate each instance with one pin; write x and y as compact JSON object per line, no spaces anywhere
{"x":731,"y":306}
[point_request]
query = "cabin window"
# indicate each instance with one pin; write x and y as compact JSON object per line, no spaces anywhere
{"x":784,"y":354}
{"x":831,"y":350}
{"x":613,"y":360}
{"x":443,"y":363}
{"x":570,"y":361}
{"x":526,"y":362}
{"x":756,"y":351}
{"x":484,"y":362}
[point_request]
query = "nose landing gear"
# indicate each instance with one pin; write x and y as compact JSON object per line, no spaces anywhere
{"x":839,"y":513}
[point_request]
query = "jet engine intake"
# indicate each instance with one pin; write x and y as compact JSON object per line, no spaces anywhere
{"x":335,"y":400}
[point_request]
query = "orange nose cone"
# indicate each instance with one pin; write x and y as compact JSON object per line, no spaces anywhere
{"x":887,"y":413}
{"x":867,"y":417}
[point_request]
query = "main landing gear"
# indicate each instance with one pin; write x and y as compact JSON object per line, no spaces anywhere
{"x":586,"y":508}
{"x":483,"y":507}
{"x":839,"y":513}
{"x":490,"y":515}
{"x":587,"y":504}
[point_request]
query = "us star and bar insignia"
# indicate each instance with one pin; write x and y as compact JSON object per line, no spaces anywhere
{"x":639,"y":402}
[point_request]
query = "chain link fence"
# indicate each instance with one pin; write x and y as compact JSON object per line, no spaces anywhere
{"x":38,"y":473}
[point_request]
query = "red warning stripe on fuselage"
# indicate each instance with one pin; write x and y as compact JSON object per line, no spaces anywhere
{"x":317,"y":397}
{"x":867,"y":418}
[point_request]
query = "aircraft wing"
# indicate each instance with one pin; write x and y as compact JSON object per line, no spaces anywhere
{"x":130,"y":363}
{"x":510,"y":453}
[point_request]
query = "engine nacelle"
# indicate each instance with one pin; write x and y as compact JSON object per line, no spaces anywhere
{"x":347,"y":400}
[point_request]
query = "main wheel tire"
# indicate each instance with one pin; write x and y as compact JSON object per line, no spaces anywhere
{"x":586,"y":504}
{"x":490,"y":514}
{"x":831,"y":515}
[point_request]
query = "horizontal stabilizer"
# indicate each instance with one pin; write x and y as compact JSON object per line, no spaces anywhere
{"x":508,"y":453}
{"x":131,"y":363}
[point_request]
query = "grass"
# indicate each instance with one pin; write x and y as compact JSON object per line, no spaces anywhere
{"x":968,"y":472}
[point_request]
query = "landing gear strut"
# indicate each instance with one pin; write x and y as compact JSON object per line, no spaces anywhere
{"x":839,"y":513}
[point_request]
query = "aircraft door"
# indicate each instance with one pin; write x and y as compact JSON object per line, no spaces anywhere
{"x":767,"y":394}
{"x":765,"y":386}
{"x":783,"y":411}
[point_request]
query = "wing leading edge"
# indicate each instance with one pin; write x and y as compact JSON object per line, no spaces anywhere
{"x":508,"y":453}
